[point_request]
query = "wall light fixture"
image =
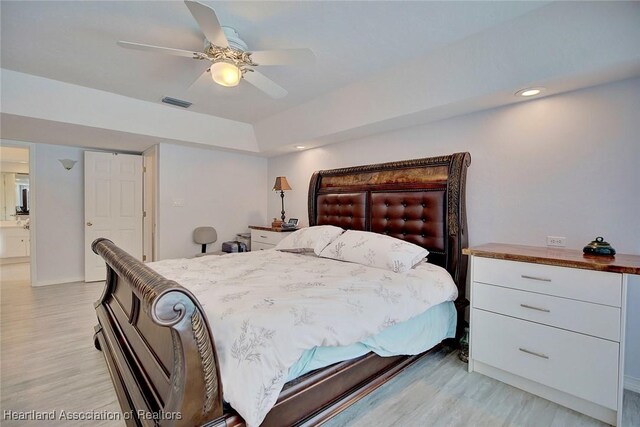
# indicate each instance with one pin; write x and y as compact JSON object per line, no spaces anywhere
{"x":67,"y":163}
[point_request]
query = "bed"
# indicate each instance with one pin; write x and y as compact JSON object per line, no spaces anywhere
{"x":159,"y":343}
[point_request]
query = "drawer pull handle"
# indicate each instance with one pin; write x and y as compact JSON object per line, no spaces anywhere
{"x":542,"y":279}
{"x":535,"y":308}
{"x":264,"y":237}
{"x":533,"y":353}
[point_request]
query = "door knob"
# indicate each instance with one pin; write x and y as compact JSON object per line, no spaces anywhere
{"x":89,"y":224}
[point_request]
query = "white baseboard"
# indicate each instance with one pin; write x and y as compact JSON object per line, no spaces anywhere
{"x":632,"y":383}
{"x":58,"y":281}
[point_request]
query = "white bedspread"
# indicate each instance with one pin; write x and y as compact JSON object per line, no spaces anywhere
{"x":266,"y":308}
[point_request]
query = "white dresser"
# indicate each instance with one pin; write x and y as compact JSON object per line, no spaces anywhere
{"x":265,"y":237}
{"x":551,"y":322}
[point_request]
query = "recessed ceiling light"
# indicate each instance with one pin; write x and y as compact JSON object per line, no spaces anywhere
{"x":530,"y":91}
{"x":300,"y":147}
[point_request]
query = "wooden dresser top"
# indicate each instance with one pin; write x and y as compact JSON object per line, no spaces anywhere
{"x":279,"y":230}
{"x":621,"y":263}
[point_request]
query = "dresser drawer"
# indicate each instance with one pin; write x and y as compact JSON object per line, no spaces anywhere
{"x":584,"y":285}
{"x":258,"y":246}
{"x":270,"y":237}
{"x":577,"y":364}
{"x":592,"y":319}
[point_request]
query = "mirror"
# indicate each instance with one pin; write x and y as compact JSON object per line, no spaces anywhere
{"x":14,"y":196}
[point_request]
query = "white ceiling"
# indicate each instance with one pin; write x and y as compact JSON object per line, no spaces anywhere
{"x":75,"y":42}
{"x":381,"y":66}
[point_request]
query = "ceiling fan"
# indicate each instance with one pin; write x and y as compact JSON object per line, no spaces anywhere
{"x":231,"y":61}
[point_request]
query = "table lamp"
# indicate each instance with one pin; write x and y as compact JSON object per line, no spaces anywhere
{"x":281,"y":185}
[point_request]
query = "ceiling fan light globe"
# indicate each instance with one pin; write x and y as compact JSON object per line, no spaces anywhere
{"x":225,"y":74}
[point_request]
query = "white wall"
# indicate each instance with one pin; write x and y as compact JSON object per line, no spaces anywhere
{"x":59,"y":215}
{"x":567,"y":165}
{"x":222,"y":189}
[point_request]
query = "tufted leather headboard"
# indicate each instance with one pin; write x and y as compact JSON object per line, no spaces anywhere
{"x":421,"y":201}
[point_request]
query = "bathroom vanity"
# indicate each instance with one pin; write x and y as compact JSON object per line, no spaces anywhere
{"x":14,"y":239}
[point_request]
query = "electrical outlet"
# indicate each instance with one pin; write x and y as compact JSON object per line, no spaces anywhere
{"x":556,"y":241}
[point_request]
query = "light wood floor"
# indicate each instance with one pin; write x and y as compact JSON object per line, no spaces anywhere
{"x":48,"y":362}
{"x":438,"y":391}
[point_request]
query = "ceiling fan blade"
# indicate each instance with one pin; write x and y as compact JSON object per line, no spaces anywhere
{"x":284,"y":57}
{"x":265,"y":84}
{"x":208,"y":22}
{"x":159,"y":49}
{"x":203,"y":82}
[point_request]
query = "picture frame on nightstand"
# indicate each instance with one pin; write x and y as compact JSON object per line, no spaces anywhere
{"x":292,"y":223}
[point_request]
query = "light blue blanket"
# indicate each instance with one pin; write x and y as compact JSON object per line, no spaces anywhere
{"x":410,"y":337}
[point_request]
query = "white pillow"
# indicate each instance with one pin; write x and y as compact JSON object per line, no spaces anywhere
{"x":311,"y":238}
{"x":375,"y":250}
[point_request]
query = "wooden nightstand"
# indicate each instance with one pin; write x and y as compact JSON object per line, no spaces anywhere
{"x":266,"y":237}
{"x":552,"y":322}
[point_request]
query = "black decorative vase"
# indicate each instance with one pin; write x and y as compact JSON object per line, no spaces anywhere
{"x":599,"y":247}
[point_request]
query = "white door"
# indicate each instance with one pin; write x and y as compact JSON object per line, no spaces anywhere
{"x":112,"y":206}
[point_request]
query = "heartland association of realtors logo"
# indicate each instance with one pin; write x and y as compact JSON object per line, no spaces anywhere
{"x":56,"y":415}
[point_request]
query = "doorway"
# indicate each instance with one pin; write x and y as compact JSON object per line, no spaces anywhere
{"x":112,"y":206}
{"x":15,"y":213}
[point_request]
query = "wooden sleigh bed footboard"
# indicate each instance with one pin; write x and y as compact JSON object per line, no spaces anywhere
{"x":163,"y":364}
{"x":157,"y":344}
{"x":157,"y":341}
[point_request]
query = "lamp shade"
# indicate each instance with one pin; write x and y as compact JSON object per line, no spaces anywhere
{"x":225,"y":74}
{"x":281,"y":184}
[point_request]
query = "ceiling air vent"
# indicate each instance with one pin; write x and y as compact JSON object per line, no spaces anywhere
{"x":176,"y":102}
